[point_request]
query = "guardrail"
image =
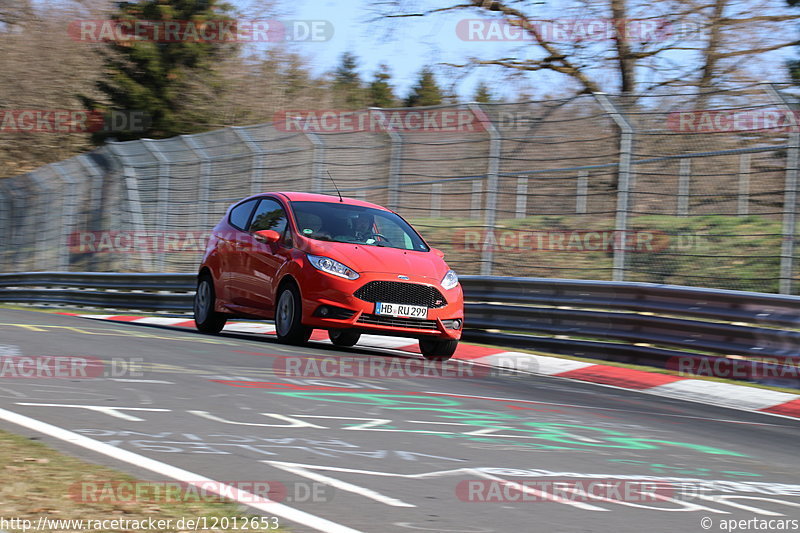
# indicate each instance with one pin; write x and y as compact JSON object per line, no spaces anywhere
{"x":641,"y":323}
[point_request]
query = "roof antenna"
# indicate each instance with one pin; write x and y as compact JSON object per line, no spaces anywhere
{"x":334,"y":184}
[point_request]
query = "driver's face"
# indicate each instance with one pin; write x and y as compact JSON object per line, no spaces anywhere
{"x":363,"y":224}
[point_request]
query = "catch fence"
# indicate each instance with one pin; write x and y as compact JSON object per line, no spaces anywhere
{"x":688,"y":189}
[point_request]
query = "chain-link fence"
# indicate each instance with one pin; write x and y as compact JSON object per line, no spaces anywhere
{"x":685,"y":189}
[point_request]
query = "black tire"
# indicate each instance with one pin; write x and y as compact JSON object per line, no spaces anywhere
{"x":343,"y":337}
{"x":438,"y":350}
{"x":288,"y":317}
{"x":205,"y":318}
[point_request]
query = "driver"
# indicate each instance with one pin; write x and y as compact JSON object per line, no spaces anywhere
{"x":363,"y":226}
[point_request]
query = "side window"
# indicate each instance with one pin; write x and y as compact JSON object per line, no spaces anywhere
{"x":269,"y":215}
{"x":394,"y":233}
{"x":241,"y":214}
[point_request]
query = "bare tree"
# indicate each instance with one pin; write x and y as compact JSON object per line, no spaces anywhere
{"x":13,"y":12}
{"x":642,"y":46}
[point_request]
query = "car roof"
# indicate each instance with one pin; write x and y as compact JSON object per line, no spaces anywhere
{"x":312,"y":197}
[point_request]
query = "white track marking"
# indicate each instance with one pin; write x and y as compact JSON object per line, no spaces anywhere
{"x":160,"y":320}
{"x":305,"y":470}
{"x":724,"y":394}
{"x":342,"y":485}
{"x":518,"y":400}
{"x":123,"y":380}
{"x":247,"y":327}
{"x":538,"y":364}
{"x":267,"y":506}
{"x":111,"y":411}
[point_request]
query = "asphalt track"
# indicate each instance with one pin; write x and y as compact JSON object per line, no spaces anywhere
{"x":399,"y":454}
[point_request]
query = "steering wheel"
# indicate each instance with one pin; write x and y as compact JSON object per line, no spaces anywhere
{"x":382,"y":237}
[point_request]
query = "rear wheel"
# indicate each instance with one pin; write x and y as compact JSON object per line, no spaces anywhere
{"x":288,"y":315}
{"x":437,"y":350}
{"x":206,"y":318}
{"x":343,"y":337}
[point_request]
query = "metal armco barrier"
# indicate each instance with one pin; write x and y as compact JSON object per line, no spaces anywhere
{"x":641,"y":323}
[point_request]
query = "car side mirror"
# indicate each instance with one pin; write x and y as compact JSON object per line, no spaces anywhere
{"x":267,"y":235}
{"x":438,"y":252}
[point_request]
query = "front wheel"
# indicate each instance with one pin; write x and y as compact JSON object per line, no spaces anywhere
{"x":288,"y":315}
{"x":205,"y":318}
{"x":438,"y":350}
{"x":343,"y":337}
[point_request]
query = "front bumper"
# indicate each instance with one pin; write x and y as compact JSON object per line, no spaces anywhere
{"x":328,"y":301}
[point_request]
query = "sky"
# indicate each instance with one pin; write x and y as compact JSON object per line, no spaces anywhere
{"x":405,"y":44}
{"x":408,"y":44}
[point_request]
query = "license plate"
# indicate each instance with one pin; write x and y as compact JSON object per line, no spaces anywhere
{"x":400,"y":310}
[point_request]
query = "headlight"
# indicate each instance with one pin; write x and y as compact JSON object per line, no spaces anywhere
{"x":450,"y":280}
{"x":326,"y":264}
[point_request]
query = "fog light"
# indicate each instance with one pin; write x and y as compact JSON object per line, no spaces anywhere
{"x":333,"y":312}
{"x":457,"y":324}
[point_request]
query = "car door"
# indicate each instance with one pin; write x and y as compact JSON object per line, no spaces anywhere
{"x":261,"y":261}
{"x":234,"y":242}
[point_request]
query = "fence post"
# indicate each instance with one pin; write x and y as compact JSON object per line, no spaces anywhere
{"x":436,"y":200}
{"x":319,"y":161}
{"x":684,"y":177}
{"x":743,"y":201}
{"x":790,"y":192}
{"x":69,"y":215}
{"x":395,"y":155}
{"x":623,"y":185}
{"x":5,"y":223}
{"x":96,"y":187}
{"x":582,"y":189}
{"x":492,"y":172}
{"x":162,"y":206}
{"x":96,"y":201}
{"x":521,"y":210}
{"x":137,"y":214}
{"x":40,"y":230}
{"x":14,"y":229}
{"x":259,"y":159}
{"x":475,"y":203}
{"x":205,"y":177}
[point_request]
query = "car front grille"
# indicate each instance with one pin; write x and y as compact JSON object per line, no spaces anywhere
{"x":416,"y":323}
{"x":401,"y":293}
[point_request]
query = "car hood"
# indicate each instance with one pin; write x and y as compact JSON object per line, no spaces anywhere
{"x":365,"y":258}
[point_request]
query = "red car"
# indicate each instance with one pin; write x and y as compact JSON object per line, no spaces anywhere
{"x":315,"y":261}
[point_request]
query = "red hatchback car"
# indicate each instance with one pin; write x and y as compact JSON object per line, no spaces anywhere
{"x":315,"y":261}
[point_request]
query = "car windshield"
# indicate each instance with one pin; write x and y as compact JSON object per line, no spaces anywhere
{"x":339,"y":222}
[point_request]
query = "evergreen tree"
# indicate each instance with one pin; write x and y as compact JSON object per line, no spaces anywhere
{"x":174,"y":83}
{"x":380,"y":91}
{"x":426,"y":91}
{"x":482,"y":94}
{"x":295,"y":76}
{"x":347,"y":87}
